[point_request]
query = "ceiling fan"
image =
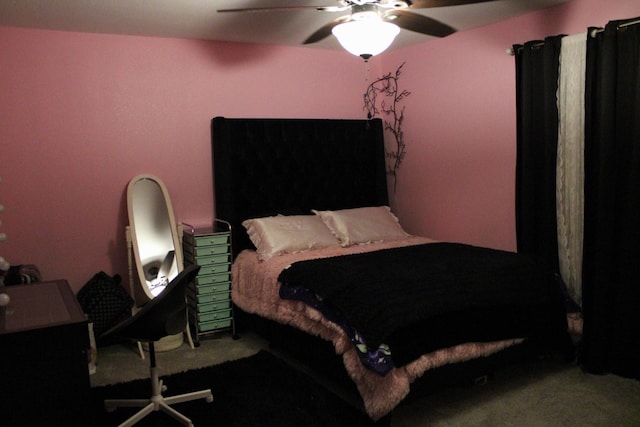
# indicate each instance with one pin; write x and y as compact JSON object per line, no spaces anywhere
{"x":392,"y":11}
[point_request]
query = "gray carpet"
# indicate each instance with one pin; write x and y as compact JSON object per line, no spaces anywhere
{"x":262,"y":390}
{"x":541,"y":394}
{"x":544,"y":393}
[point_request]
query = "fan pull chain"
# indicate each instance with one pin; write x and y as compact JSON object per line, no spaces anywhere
{"x":366,"y":71}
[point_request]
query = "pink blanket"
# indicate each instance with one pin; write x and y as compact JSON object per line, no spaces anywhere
{"x":255,"y":290}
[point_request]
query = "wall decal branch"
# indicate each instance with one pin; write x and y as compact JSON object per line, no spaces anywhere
{"x":388,"y":87}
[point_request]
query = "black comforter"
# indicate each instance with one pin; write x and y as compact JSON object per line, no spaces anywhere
{"x":421,"y":298}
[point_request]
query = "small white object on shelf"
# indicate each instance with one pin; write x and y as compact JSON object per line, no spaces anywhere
{"x":4,"y":300}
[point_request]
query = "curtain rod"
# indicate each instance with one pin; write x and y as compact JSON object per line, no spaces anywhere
{"x":592,"y":33}
{"x":512,"y":52}
{"x":626,"y":24}
{"x":595,"y":31}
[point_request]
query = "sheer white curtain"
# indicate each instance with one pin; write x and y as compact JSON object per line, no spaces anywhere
{"x":570,"y":161}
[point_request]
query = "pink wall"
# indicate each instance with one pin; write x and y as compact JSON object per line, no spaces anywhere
{"x":458,"y":180}
{"x":81,"y":114}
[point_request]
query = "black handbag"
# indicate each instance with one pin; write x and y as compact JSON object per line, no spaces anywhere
{"x":105,"y":301}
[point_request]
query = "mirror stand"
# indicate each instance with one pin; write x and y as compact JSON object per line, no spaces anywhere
{"x":154,"y":248}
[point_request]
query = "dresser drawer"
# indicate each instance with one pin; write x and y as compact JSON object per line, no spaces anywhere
{"x":211,"y":240}
{"x":203,"y":251}
{"x":224,"y":258}
{"x":209,"y":269}
{"x":211,"y":279}
{"x":210,"y":298}
{"x":214,"y":306}
{"x":214,"y":325}
{"x":214,"y":315}
{"x":199,"y":291}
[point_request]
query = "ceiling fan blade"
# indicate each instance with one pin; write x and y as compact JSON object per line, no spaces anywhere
{"x":425,"y":4}
{"x":325,"y":30}
{"x":284,"y":9}
{"x":418,"y":23}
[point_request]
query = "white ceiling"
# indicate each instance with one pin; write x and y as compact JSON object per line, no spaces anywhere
{"x":199,"y":19}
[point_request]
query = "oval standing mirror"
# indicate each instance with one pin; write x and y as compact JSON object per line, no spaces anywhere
{"x":154,"y":236}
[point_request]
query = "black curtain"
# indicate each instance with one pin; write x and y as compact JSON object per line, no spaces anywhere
{"x":537,"y":141}
{"x":611,"y":262}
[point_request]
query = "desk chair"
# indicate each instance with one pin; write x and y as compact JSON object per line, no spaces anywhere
{"x":164,"y":315}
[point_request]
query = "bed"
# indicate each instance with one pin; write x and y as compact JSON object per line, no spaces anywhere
{"x":329,"y":176}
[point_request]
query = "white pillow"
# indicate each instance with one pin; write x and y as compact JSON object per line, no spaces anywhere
{"x":363,"y":225}
{"x":277,"y":235}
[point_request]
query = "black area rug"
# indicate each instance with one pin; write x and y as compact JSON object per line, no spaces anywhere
{"x":260,"y":390}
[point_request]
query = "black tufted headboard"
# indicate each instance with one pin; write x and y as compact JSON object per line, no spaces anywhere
{"x":265,"y":167}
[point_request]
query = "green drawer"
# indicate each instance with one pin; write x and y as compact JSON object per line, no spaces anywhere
{"x":209,"y":269}
{"x":209,"y":289}
{"x":215,"y":306}
{"x":224,"y":258}
{"x":207,"y":240}
{"x":203,"y":251}
{"x":215,"y":269}
{"x":210,"y":298}
{"x":214,"y":298}
{"x":214,"y":315}
{"x":199,"y":299}
{"x":210,"y":279}
{"x":216,"y":324}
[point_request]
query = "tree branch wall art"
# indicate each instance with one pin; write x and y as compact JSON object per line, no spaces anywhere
{"x":383,"y":97}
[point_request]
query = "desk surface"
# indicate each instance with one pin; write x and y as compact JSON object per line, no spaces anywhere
{"x":39,"y":305}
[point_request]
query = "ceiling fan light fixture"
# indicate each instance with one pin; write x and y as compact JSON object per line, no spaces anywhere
{"x":365,"y":37}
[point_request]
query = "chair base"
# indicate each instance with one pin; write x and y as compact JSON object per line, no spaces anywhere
{"x":157,"y":402}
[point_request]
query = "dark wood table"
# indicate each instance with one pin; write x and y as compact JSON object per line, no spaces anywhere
{"x":44,"y":376}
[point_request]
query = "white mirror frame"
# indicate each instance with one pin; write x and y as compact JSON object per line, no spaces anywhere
{"x":154,"y":236}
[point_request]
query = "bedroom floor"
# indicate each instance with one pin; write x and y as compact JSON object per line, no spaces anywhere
{"x":544,"y":394}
